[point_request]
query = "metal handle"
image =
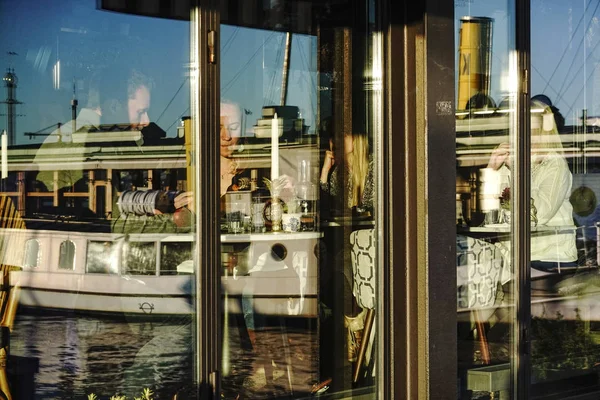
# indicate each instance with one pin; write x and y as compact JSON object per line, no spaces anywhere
{"x":212,"y":58}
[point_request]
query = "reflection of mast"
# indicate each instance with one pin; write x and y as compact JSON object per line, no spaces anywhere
{"x":74,"y":103}
{"x":10,"y":83}
{"x":286,"y":68}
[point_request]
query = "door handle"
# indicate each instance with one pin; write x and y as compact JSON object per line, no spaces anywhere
{"x":212,"y":57}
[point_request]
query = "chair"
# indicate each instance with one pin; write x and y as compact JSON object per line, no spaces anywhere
{"x":363,"y":288}
{"x":479,"y":273}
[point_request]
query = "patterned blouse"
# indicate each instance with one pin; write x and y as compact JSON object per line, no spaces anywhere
{"x":334,"y":188}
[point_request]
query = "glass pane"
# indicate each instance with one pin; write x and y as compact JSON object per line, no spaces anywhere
{"x":139,"y":258}
{"x":300,"y":122}
{"x":485,"y":133}
{"x":66,"y":260}
{"x":564,"y":187}
{"x":32,"y":253}
{"x":102,"y":257}
{"x":175,"y":258}
{"x":95,"y":151}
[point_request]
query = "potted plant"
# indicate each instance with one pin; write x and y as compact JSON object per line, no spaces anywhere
{"x":147,"y":394}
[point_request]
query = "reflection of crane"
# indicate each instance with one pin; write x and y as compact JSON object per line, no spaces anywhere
{"x":41,"y":131}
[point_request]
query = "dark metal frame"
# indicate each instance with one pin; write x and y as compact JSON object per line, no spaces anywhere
{"x":419,"y":191}
{"x":205,"y":109}
{"x":521,"y":227}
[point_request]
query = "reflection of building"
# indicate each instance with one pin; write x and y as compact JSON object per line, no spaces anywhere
{"x":84,"y":176}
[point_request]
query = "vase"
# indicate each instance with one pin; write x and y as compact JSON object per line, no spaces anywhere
{"x":290,"y":222}
{"x":276,"y":214}
{"x":505,"y":216}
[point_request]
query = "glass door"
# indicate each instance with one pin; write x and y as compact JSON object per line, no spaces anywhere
{"x":486,"y":146}
{"x":299,"y":149}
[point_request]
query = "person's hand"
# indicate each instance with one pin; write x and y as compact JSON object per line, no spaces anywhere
{"x":500,"y":156}
{"x":328,"y":162}
{"x":184,"y":199}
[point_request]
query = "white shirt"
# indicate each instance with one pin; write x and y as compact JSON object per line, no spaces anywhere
{"x":551,"y":182}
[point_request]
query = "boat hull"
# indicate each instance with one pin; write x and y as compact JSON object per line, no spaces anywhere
{"x":165,"y":295}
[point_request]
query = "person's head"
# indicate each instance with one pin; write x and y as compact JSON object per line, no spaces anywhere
{"x":231,"y":127}
{"x":120,"y":96}
{"x":583,"y":200}
{"x":544,"y":133}
{"x":558,"y":117}
{"x":480,"y":102}
{"x":138,"y":98}
{"x":356,"y":149}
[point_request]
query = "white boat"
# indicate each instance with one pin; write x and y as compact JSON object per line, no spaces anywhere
{"x":152,"y":274}
{"x":101,"y":272}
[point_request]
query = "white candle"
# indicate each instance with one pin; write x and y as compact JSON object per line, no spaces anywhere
{"x":4,"y":155}
{"x":274,"y":148}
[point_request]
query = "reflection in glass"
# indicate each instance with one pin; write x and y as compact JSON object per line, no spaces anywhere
{"x":102,"y":258}
{"x":174,"y":256}
{"x":104,"y":94}
{"x":485,"y":131}
{"x":564,"y":288}
{"x":32,"y":254}
{"x":298,"y":202}
{"x":66,"y":259}
{"x":139,"y":258}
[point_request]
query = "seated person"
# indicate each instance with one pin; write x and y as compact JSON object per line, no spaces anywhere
{"x":551,"y":182}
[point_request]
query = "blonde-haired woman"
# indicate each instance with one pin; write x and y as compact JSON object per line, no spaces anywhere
{"x":356,"y":168}
{"x":358,"y":165}
{"x":551,"y":182}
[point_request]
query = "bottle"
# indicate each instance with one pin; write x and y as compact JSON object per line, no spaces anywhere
{"x":306,"y":193}
{"x":260,"y":195}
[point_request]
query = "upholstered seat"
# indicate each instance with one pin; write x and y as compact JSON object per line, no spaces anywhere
{"x":364,"y":285}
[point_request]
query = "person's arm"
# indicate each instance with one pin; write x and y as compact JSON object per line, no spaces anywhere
{"x":550,"y":187}
{"x":328,"y":163}
{"x":500,"y":156}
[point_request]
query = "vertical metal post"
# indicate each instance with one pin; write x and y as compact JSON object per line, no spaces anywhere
{"x":521,"y":226}
{"x":204,"y":124}
{"x":286,"y":68}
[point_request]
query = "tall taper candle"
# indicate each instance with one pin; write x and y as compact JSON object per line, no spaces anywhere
{"x":274,"y":148}
{"x":4,"y":155}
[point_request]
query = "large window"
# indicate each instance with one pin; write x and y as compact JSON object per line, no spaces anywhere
{"x":93,"y":103}
{"x":115,"y":154}
{"x":565,"y":185}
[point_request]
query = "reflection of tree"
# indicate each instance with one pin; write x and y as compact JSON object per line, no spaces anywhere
{"x":102,"y":258}
{"x":140,"y":259}
{"x":173,"y":254}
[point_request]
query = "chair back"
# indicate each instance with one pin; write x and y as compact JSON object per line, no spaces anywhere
{"x":363,"y":267}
